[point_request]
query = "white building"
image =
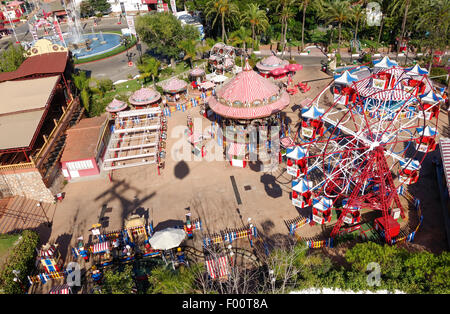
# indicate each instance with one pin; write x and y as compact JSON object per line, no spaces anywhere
{"x":119,"y":6}
{"x":187,"y":19}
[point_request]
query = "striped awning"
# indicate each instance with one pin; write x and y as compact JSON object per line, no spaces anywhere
{"x":445,"y":155}
{"x":100,"y":247}
{"x":236,"y":149}
{"x":63,"y":289}
{"x":217,"y":268}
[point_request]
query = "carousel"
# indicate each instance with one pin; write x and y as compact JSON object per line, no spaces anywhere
{"x":115,"y":106}
{"x":145,"y":98}
{"x":272,"y":67}
{"x":221,"y":58}
{"x":175,"y":90}
{"x":196,"y":76}
{"x":246,"y":107}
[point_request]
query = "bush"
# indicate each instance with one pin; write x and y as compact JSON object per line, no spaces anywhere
{"x":105,"y":85}
{"x":167,"y":281}
{"x":22,"y":259}
{"x":437,"y":71}
{"x":118,"y":281}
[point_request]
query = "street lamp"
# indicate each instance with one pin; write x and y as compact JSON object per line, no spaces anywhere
{"x":16,"y":279}
{"x":48,"y":220}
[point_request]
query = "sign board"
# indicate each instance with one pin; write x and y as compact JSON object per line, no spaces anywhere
{"x":317,"y":219}
{"x":173,"y":6}
{"x":292,"y":171}
{"x":347,"y":220}
{"x":130,"y":22}
{"x":379,"y":83}
{"x":307,"y":132}
{"x":297,"y":202}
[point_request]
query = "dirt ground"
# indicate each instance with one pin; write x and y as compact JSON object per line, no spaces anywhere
{"x":205,"y":189}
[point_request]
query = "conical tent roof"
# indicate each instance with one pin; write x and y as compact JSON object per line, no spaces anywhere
{"x":416,"y":70}
{"x":346,"y":78}
{"x":322,"y":203}
{"x":428,"y":131}
{"x":384,"y":63}
{"x":301,"y":186}
{"x":410,"y":164}
{"x":296,"y":153}
{"x":270,"y":63}
{"x":116,"y":105}
{"x":430,"y":97}
{"x":312,"y":112}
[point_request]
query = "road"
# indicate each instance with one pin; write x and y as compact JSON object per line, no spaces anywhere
{"x":116,"y":67}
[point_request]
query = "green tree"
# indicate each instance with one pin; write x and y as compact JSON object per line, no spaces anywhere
{"x":117,"y":281}
{"x":335,"y":11}
{"x":86,"y":8}
{"x":188,"y":46}
{"x":407,"y":7}
{"x":100,"y":6}
{"x":303,"y":6}
{"x":226,"y":10}
{"x":149,"y":67}
{"x":167,"y":281}
{"x":105,"y":85}
{"x":358,"y":14}
{"x":86,"y":100}
{"x":256,"y":18}
{"x":11,"y":58}
{"x":162,"y":33}
{"x":285,"y":11}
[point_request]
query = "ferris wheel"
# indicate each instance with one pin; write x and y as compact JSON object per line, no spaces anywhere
{"x":357,"y":151}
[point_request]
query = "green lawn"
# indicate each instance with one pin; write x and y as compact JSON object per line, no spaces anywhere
{"x":6,"y":243}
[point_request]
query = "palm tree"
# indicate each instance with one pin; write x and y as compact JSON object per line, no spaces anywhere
{"x":405,"y":6}
{"x":257,"y":19}
{"x":303,"y":5}
{"x":149,"y":67}
{"x":433,"y":19}
{"x":189,"y":48}
{"x":225,"y":9}
{"x":240,"y":38}
{"x":285,"y":12}
{"x":336,"y":11}
{"x":358,"y":13}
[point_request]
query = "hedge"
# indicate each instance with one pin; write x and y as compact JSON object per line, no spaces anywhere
{"x":21,"y":258}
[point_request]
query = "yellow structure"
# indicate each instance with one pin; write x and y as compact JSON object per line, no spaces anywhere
{"x":44,"y":46}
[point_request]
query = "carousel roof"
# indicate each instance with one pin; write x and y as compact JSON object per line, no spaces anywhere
{"x":270,"y":63}
{"x":228,"y":63}
{"x":416,"y":70}
{"x":301,"y":186}
{"x":345,"y":78}
{"x":116,"y":105}
{"x":322,"y":203}
{"x":384,"y":63}
{"x":175,"y":85}
{"x":296,"y":153}
{"x":428,"y":131}
{"x":248,"y":96}
{"x":144,"y":96}
{"x":312,"y":112}
{"x":197,"y":72}
{"x":430,"y":97}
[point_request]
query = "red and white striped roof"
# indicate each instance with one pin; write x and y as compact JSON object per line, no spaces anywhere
{"x":217,"y":268}
{"x":445,"y":155}
{"x":144,"y":96}
{"x":100,"y":247}
{"x":47,"y":250}
{"x":175,"y":85}
{"x":235,"y":149}
{"x":270,"y":63}
{"x":197,"y":72}
{"x":62,"y":289}
{"x":247,"y":87}
{"x":116,"y":105}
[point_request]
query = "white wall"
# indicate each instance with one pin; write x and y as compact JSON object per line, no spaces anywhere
{"x":130,"y":5}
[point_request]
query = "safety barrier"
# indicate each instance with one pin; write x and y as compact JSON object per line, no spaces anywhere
{"x":193,"y":102}
{"x":410,"y":236}
{"x":45,"y":277}
{"x":230,"y":235}
{"x":319,"y":244}
{"x":296,"y":223}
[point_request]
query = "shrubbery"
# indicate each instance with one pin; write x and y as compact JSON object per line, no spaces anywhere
{"x":22,"y":259}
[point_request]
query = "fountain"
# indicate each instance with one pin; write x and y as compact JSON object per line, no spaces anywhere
{"x":85,"y":45}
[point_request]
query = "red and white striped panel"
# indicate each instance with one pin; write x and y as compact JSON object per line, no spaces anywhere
{"x":100,"y":247}
{"x":445,"y":155}
{"x":64,"y":289}
{"x":217,"y":268}
{"x":287,"y":142}
{"x":235,"y":149}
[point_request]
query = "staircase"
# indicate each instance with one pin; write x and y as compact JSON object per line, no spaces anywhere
{"x":18,"y":213}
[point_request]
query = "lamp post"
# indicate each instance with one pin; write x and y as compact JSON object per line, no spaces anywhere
{"x":16,"y":279}
{"x":49,"y":223}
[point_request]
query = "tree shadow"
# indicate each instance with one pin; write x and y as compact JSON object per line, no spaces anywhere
{"x":255,"y":165}
{"x":63,"y":242}
{"x":272,"y":188}
{"x":181,"y":170}
{"x":170,"y":223}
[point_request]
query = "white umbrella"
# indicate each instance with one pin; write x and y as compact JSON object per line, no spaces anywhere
{"x":167,"y":239}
